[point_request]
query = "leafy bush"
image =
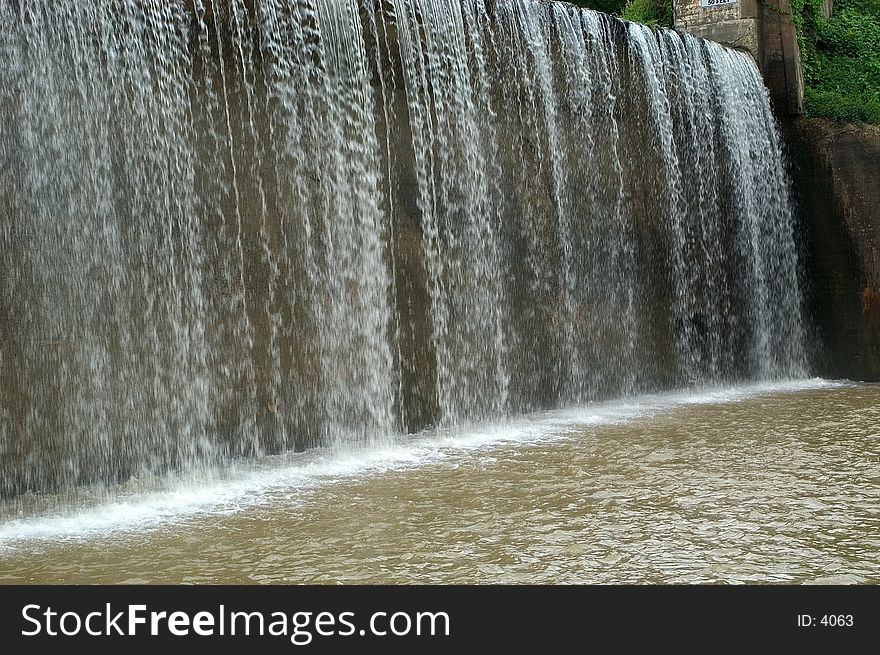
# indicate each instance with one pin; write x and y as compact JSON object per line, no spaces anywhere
{"x":650,"y":12}
{"x":841,"y":59}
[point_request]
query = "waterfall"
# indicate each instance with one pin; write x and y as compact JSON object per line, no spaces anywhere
{"x":233,"y":228}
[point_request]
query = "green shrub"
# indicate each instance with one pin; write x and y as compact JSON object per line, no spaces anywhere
{"x":650,"y":12}
{"x":841,"y":59}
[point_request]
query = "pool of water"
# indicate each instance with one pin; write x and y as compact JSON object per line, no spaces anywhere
{"x":769,"y":484}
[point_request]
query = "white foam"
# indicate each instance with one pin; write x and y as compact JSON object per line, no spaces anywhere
{"x":294,"y":476}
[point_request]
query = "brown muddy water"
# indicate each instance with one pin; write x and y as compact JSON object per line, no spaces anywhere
{"x":762,"y":484}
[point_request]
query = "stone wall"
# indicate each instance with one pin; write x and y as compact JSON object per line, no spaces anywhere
{"x":835,"y":168}
{"x":735,"y":24}
{"x":780,"y":61}
{"x":689,"y":14}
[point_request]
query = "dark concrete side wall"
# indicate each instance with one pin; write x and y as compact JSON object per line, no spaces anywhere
{"x":836,"y":182}
{"x":780,"y":61}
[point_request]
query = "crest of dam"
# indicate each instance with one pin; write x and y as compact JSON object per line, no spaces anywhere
{"x":231,"y":229}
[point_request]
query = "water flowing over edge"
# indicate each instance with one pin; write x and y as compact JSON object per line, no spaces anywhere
{"x":233,"y":229}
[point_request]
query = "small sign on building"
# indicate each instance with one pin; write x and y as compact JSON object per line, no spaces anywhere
{"x":715,"y":3}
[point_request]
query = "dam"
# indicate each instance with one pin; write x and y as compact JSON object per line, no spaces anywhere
{"x":248,"y":238}
{"x":235,"y":229}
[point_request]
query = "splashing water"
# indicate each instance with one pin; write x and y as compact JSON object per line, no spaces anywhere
{"x":236,"y":228}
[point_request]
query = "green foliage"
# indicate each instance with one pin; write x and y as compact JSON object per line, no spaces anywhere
{"x":650,"y":12}
{"x":841,"y":58}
